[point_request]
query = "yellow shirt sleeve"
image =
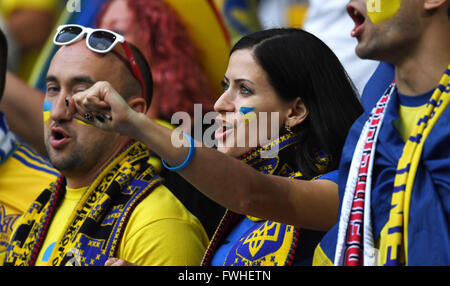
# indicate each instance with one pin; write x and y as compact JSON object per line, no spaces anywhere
{"x":22,"y":179}
{"x":162,"y":232}
{"x":23,"y":176}
{"x":167,"y":242}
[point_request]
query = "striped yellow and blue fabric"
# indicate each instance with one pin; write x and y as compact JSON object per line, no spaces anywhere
{"x":394,"y":246}
{"x":31,"y":159}
{"x":24,"y":174}
{"x":410,"y":187}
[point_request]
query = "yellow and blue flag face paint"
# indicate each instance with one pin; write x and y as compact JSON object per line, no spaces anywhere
{"x":47,"y":110}
{"x":382,"y":10}
{"x":247,"y":114}
{"x":245,"y":110}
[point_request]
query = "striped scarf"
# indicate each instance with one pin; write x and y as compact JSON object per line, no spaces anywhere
{"x":396,"y":245}
{"x":355,"y":245}
{"x":96,"y":226}
{"x":267,"y":243}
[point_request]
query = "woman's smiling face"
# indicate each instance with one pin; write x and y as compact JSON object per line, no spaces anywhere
{"x":247,"y":99}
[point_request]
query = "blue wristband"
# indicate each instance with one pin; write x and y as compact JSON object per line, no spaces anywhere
{"x":188,"y":159}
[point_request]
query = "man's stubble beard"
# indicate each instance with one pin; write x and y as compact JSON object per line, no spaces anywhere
{"x":71,"y":162}
{"x":388,"y":41}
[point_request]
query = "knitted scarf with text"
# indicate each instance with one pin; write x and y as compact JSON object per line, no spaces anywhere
{"x":267,"y":243}
{"x":96,"y":226}
{"x":355,"y":239}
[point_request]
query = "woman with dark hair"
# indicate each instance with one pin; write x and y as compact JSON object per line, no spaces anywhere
{"x":298,"y":65}
{"x":280,"y":189}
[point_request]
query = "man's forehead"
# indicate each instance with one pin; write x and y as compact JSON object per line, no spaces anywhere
{"x":78,"y":57}
{"x":75,"y":51}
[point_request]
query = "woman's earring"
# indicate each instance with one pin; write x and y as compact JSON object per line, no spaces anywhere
{"x":288,"y":128}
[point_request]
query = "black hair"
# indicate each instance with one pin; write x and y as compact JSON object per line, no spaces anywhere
{"x":3,"y":61}
{"x":448,"y":10}
{"x":146,"y":72}
{"x":298,"y":64}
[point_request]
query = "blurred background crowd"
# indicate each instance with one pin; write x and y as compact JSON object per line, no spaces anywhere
{"x":28,"y":25}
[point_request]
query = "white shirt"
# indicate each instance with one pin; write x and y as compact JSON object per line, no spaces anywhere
{"x":328,"y":20}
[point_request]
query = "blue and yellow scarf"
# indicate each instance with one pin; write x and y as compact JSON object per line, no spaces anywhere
{"x":394,"y":246}
{"x":355,"y":239}
{"x":266,"y":243}
{"x":95,"y":228}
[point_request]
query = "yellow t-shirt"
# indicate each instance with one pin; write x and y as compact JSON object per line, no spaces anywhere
{"x":69,"y":203}
{"x":23,"y":176}
{"x":160,"y":232}
{"x":408,"y":117}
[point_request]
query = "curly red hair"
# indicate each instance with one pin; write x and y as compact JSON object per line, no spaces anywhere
{"x":178,"y":75}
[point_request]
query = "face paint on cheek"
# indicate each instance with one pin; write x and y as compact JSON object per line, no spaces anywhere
{"x":82,"y":123}
{"x":247,"y":114}
{"x":244,"y":110}
{"x":47,"y":111}
{"x":382,"y":10}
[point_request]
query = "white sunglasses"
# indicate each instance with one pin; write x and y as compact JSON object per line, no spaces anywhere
{"x":99,"y":41}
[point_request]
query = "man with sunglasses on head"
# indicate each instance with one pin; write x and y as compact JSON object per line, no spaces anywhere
{"x":109,"y":200}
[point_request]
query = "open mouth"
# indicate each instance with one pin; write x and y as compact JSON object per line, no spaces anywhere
{"x":226,"y":127}
{"x":358,"y":18}
{"x":58,"y":137}
{"x":223,"y":130}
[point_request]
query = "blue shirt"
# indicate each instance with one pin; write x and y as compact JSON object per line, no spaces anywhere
{"x":377,"y":85}
{"x":429,"y":225}
{"x":308,"y":238}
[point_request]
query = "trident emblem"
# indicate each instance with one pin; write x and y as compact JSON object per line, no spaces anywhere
{"x":256,"y":239}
